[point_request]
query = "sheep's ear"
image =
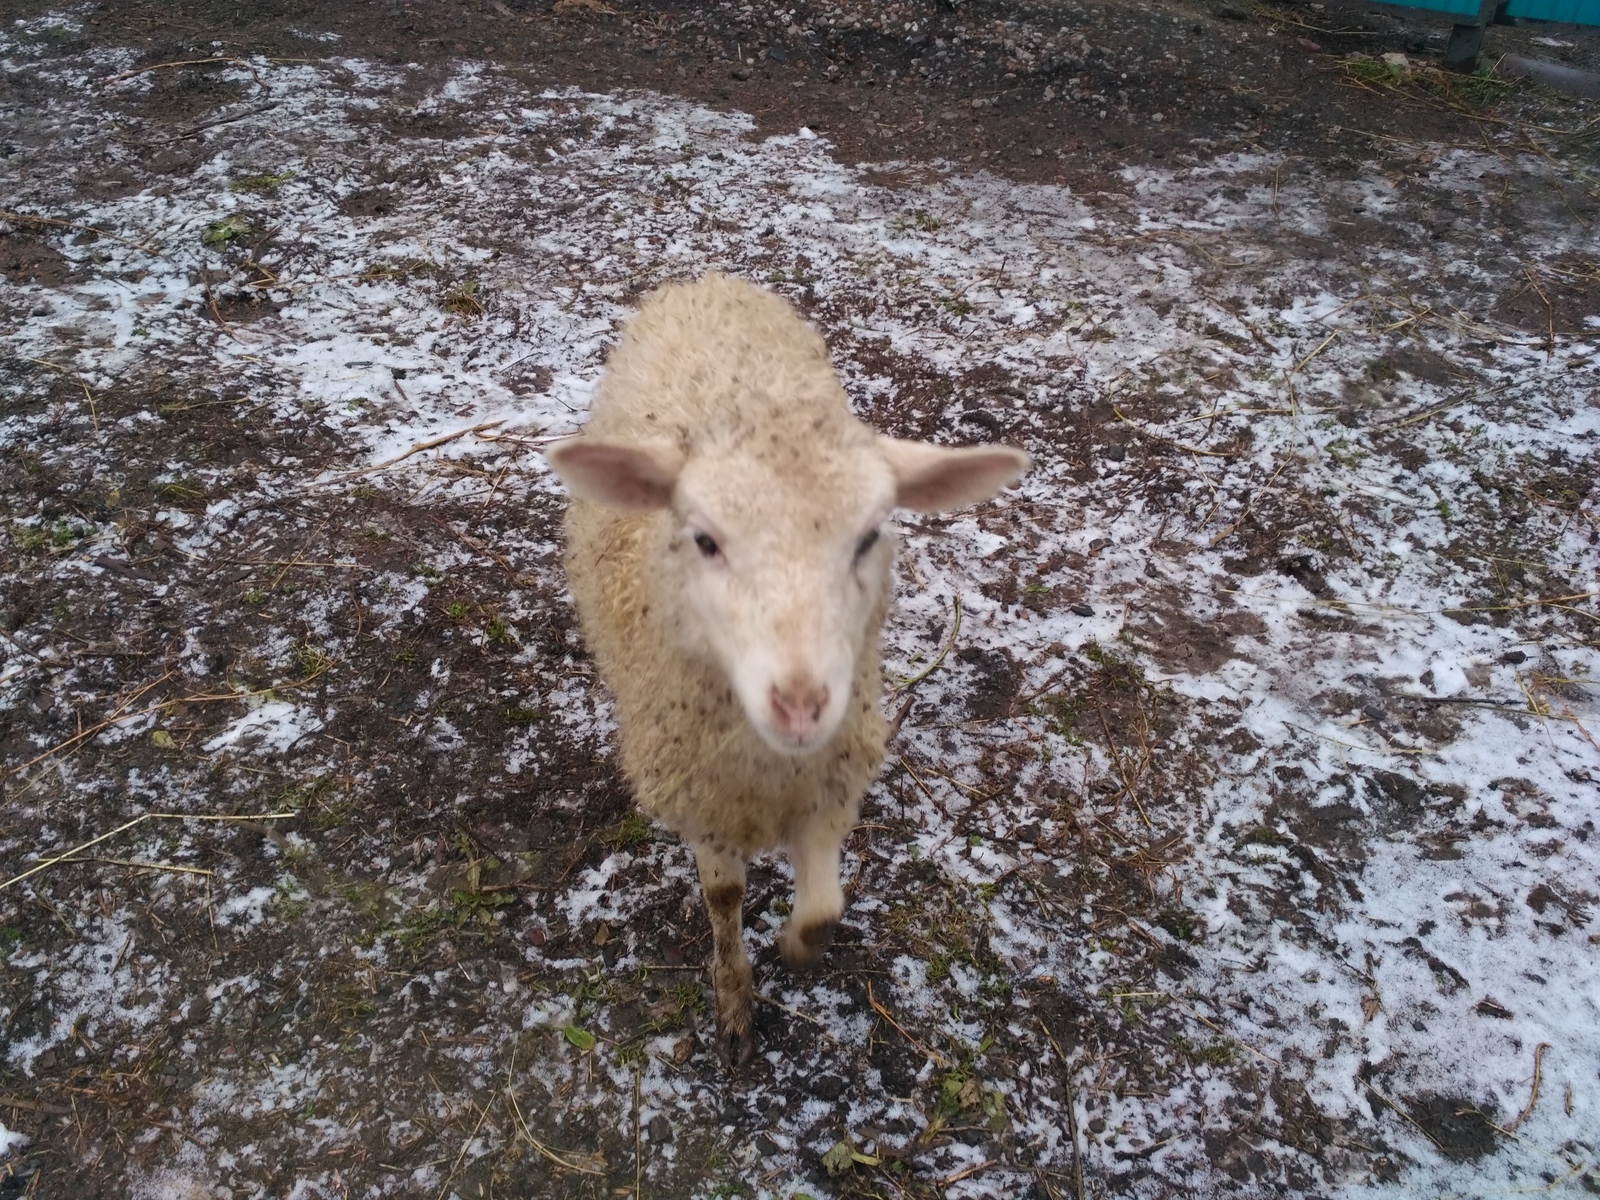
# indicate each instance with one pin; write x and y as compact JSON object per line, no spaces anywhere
{"x":929,"y":478}
{"x":635,"y":475}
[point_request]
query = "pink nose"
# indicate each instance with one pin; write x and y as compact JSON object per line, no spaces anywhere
{"x":797,"y":706}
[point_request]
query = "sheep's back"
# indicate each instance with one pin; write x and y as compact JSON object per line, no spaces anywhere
{"x":716,"y":359}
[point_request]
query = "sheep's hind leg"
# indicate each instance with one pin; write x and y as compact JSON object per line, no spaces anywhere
{"x":818,"y":898}
{"x":722,"y":881}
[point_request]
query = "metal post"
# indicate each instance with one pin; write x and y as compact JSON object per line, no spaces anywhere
{"x":1461,"y":53}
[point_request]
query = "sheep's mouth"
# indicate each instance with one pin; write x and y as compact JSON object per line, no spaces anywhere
{"x":796,"y":745}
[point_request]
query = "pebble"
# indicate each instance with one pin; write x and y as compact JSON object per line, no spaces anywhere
{"x":660,"y":1130}
{"x":1083,"y":610}
{"x":1116,"y":452}
{"x":765,"y":1146}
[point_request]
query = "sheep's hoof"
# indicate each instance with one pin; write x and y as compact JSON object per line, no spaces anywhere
{"x":736,"y":1043}
{"x":802,"y":948}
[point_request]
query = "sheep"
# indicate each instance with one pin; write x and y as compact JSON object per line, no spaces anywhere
{"x":728,"y":555}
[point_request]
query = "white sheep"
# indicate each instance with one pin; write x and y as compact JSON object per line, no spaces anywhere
{"x":727,"y":550}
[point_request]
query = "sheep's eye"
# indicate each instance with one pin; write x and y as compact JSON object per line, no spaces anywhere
{"x":708,"y":545}
{"x":866,"y":543}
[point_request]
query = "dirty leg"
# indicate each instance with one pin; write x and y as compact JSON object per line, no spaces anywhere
{"x":722,"y":881}
{"x":818,"y":898}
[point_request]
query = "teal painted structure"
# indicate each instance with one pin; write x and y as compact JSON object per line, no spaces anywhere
{"x":1574,"y":12}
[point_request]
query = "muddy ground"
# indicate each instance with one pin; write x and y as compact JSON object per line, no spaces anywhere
{"x":1239,"y":839}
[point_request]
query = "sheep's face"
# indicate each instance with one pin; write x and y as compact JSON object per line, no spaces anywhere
{"x":777,"y":564}
{"x":782,"y":575}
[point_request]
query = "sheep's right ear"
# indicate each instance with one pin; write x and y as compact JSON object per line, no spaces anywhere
{"x":636,"y":476}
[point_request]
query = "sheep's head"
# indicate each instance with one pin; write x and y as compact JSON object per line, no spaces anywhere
{"x":776,"y":557}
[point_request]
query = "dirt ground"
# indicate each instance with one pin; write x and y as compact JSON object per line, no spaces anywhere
{"x":1239,"y":839}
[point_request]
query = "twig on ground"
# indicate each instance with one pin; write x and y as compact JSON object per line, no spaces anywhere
{"x":965,"y":1172}
{"x":594,"y":1165}
{"x":38,"y":1106}
{"x":1404,"y":1115}
{"x":955,"y":629}
{"x":196,"y":62}
{"x":45,"y":864}
{"x":184,"y":62}
{"x":920,"y":1048}
{"x":1390,"y":749}
{"x":94,"y":414}
{"x":197,"y":130}
{"x":1248,"y":508}
{"x":1550,"y":314}
{"x":1217,"y":1029}
{"x":519,"y":440}
{"x":1072,"y":1110}
{"x":1150,"y":433}
{"x":416,"y":448}
{"x":795,"y":1012}
{"x":1300,"y":366}
{"x":18,"y":216}
{"x":465,"y":1146}
{"x":638,"y":1144}
{"x":147,"y":866}
{"x":1538,"y":1067}
{"x":121,"y":715}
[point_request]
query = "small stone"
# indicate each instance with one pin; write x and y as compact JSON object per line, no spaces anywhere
{"x":1373,"y":713}
{"x":660,"y":1130}
{"x":1098,"y":545}
{"x":1083,"y":610}
{"x":684,"y":1050}
{"x":1116,"y":453}
{"x":949,"y":114}
{"x":1512,"y":657}
{"x":1097,"y":1125}
{"x":766,"y":1147}
{"x":536,"y":937}
{"x":1308,"y":45}
{"x":741,"y":73}
{"x":1229,"y":13}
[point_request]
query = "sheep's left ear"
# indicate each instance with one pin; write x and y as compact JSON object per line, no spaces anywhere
{"x":929,"y":478}
{"x":627,"y":475}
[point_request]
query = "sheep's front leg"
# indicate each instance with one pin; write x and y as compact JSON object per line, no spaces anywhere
{"x":722,"y":881}
{"x":818,"y":898}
